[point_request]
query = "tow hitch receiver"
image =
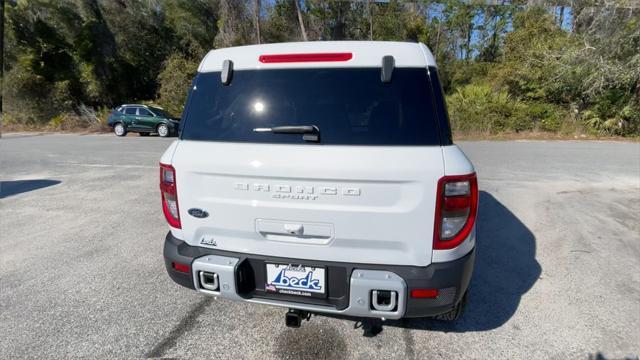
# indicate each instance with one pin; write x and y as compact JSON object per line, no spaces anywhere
{"x":293,"y":318}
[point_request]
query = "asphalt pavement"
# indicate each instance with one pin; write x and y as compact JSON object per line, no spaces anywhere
{"x":81,"y":271}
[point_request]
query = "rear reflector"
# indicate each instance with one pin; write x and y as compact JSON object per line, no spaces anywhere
{"x":291,"y":58}
{"x":424,"y":293}
{"x":180,"y":267}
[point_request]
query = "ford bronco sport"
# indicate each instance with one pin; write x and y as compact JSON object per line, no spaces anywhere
{"x":321,"y":177}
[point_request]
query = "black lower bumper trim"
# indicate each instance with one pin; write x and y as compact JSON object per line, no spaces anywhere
{"x":453,"y":276}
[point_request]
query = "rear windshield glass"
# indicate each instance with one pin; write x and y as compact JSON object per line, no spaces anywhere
{"x":160,"y":112}
{"x":349,"y":106}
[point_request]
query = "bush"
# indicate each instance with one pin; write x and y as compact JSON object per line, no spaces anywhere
{"x":26,"y":98}
{"x":478,"y":108}
{"x":630,"y":118}
{"x":482,"y":109}
{"x":625,"y":122}
{"x":544,"y":116}
{"x":175,"y":79}
{"x":30,"y":101}
{"x":84,"y":118}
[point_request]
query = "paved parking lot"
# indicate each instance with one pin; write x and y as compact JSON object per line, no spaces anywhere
{"x":81,"y":272}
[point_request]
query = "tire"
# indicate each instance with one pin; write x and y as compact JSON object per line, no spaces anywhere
{"x":163,"y":130}
{"x":144,"y":134}
{"x":119,"y":129}
{"x":455,"y":313}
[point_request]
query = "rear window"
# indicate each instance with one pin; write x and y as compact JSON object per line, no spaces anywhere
{"x":144,"y":112}
{"x":130,"y":111}
{"x":160,"y":112}
{"x":349,"y":106}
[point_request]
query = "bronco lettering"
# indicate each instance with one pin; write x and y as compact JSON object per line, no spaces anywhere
{"x":297,"y":192}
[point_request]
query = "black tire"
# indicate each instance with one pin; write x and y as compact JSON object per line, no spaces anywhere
{"x":144,"y":134}
{"x":163,"y":130}
{"x":455,"y":313}
{"x":119,"y":129}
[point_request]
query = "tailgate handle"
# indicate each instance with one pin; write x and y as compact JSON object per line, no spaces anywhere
{"x":294,"y":229}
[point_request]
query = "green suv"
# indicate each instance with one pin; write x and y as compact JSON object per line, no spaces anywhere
{"x":142,"y":119}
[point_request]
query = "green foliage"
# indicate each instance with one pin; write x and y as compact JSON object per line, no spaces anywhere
{"x":389,"y":24}
{"x":467,"y":73}
{"x":84,"y":118}
{"x":234,"y":24}
{"x":192,"y":25}
{"x":479,"y":108}
{"x":624,"y":122}
{"x":508,"y":67}
{"x":543,"y":116}
{"x":21,"y":88}
{"x":282,"y":23}
{"x":174,"y":83}
{"x":530,"y":55}
{"x":549,"y":69}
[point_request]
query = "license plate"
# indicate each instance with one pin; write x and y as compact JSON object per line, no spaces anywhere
{"x":293,"y":279}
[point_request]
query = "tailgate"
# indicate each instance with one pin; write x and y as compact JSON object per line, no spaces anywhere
{"x":356,"y":204}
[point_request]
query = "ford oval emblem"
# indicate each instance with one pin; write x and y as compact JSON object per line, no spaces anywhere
{"x":199,"y":213}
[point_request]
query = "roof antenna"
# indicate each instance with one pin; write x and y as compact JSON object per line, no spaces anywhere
{"x":227,"y":72}
{"x":388,"y":62}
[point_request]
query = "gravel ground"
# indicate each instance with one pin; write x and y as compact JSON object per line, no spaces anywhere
{"x":81,"y":272}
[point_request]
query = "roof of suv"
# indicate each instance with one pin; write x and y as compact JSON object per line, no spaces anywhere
{"x":363,"y":54}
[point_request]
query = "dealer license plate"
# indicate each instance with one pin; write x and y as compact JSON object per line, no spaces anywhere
{"x":293,"y":279}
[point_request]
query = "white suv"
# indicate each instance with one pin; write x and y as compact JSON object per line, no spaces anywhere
{"x":321,"y":177}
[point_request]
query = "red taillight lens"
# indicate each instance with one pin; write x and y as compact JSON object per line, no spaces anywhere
{"x":180,"y":267}
{"x":319,"y":57}
{"x":169,"y":195}
{"x":456,"y":209}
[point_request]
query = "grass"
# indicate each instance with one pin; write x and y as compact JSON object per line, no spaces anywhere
{"x":539,"y":135}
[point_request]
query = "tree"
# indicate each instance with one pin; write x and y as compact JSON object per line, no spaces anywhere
{"x":62,"y":57}
{"x":389,"y":24}
{"x":174,"y":80}
{"x":256,"y":18}
{"x":233,"y":29}
{"x":300,"y":20}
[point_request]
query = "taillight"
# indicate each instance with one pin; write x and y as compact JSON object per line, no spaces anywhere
{"x":169,"y":195}
{"x":456,"y":210}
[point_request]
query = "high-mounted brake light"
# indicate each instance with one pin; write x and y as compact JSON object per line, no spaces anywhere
{"x":456,"y":210}
{"x":291,"y":58}
{"x":169,"y":195}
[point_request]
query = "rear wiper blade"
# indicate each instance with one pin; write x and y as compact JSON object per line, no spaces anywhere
{"x":309,"y":132}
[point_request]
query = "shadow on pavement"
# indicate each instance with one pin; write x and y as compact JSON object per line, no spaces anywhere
{"x":10,"y":188}
{"x":600,"y":356}
{"x":505,"y":269}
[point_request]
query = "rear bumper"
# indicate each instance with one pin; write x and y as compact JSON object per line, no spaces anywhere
{"x":349,"y":286}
